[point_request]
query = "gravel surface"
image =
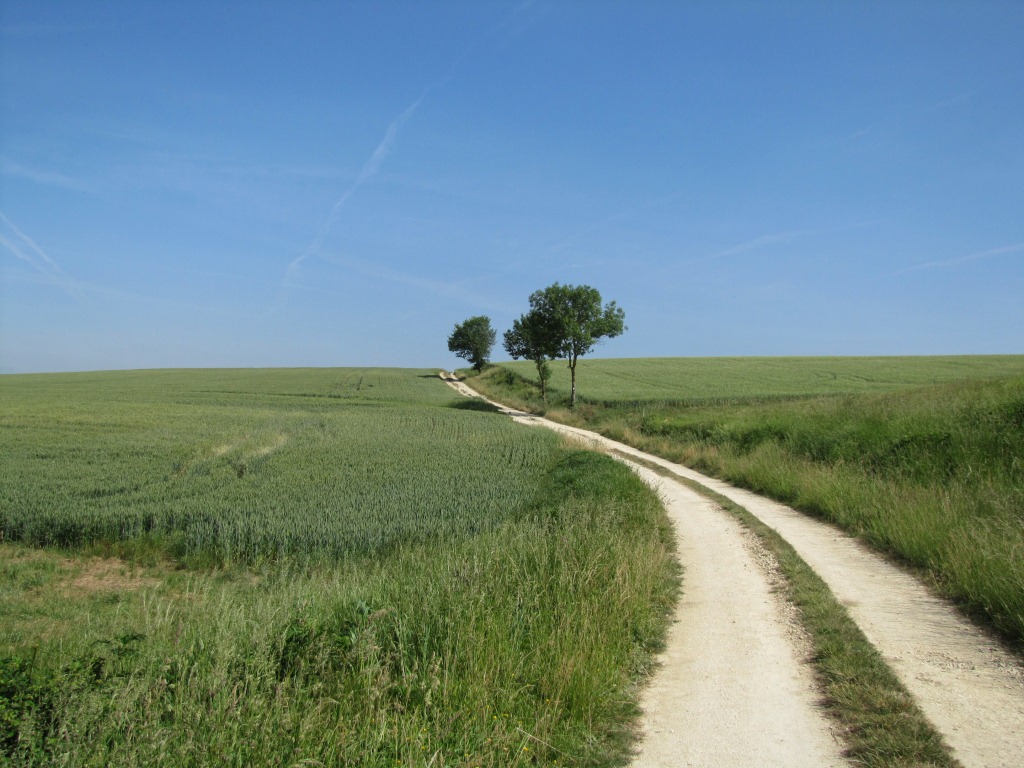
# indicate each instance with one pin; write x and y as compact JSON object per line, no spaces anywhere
{"x":733,"y":688}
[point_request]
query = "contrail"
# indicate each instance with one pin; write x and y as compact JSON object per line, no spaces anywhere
{"x":380,"y":154}
{"x":757,"y":242}
{"x":1015,"y":248}
{"x":31,"y":244}
{"x":37,"y":257}
{"x":368,"y":171}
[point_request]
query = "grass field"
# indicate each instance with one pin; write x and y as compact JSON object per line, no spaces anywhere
{"x":696,"y":380}
{"x":250,"y":465}
{"x":343,"y":567}
{"x":921,"y":457}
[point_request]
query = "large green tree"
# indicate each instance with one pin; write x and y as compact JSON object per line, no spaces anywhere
{"x":535,"y":337}
{"x":472,"y":340}
{"x":578,"y":319}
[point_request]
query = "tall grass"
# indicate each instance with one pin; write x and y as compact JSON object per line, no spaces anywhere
{"x":933,"y":475}
{"x":516,"y":642}
{"x":517,"y":646}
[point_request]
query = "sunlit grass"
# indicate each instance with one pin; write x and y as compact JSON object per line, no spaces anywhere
{"x":217,"y":464}
{"x":504,"y":626}
{"x":932,"y":474}
{"x":703,"y":380}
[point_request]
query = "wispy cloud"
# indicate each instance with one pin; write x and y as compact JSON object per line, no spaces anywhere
{"x":45,"y":177}
{"x":764,"y":241}
{"x":888,"y":125}
{"x":756,"y":244}
{"x":521,"y":17}
{"x":370,"y":169}
{"x":1001,"y":251}
{"x":462,"y":291}
{"x":619,"y":216}
{"x":25,"y":248}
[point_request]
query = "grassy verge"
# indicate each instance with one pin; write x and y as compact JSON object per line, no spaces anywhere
{"x":933,"y":475}
{"x":881,"y":724}
{"x":521,"y":645}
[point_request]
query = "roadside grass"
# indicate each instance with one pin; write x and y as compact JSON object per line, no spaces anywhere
{"x":520,"y":642}
{"x":933,"y":475}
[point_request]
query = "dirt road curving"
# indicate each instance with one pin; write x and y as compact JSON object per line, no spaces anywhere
{"x":965,"y":682}
{"x":733,"y":689}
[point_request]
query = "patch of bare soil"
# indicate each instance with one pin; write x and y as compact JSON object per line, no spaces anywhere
{"x":105,"y":575}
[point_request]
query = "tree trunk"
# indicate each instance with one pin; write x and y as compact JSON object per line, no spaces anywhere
{"x":572,"y":393}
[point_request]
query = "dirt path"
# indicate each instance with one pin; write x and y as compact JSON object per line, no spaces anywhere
{"x":733,"y":689}
{"x":968,"y":686}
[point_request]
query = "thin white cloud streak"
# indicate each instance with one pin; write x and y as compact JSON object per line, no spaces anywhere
{"x":621,"y":215}
{"x":25,"y":248}
{"x":370,"y":169}
{"x":46,"y":178}
{"x":756,"y":244}
{"x":764,"y":241}
{"x":1001,"y":251}
{"x":511,"y":25}
{"x":458,"y":290}
{"x":31,"y":244}
{"x":889,"y":124}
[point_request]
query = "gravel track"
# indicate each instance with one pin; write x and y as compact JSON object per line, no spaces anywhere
{"x":966,"y":683}
{"x":733,"y":688}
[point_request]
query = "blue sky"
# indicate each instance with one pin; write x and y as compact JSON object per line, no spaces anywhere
{"x":322,"y":183}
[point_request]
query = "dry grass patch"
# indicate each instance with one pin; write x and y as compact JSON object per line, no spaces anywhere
{"x":95,"y":575}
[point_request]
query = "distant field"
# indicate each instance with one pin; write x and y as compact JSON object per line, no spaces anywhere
{"x":696,"y":379}
{"x":245,"y":465}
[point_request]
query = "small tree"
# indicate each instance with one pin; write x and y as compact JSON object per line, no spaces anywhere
{"x":576,"y":312}
{"x":472,"y":341}
{"x":533,"y":338}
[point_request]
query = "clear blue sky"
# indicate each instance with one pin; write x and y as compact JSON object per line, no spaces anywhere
{"x":323,"y":183}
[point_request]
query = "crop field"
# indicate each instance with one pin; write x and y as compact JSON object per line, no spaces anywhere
{"x":696,"y":380}
{"x":351,"y":567}
{"x":254,"y":465}
{"x":921,"y":457}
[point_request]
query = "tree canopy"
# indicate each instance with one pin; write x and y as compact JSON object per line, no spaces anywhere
{"x":472,"y":340}
{"x":574,"y":316}
{"x":535,"y":337}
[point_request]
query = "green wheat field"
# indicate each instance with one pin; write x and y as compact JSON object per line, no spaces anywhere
{"x":359,"y":567}
{"x":314,"y":567}
{"x":702,"y":379}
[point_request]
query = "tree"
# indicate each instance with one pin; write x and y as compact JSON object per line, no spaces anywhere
{"x":579,"y":320}
{"x":534,"y":337}
{"x":472,"y":341}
